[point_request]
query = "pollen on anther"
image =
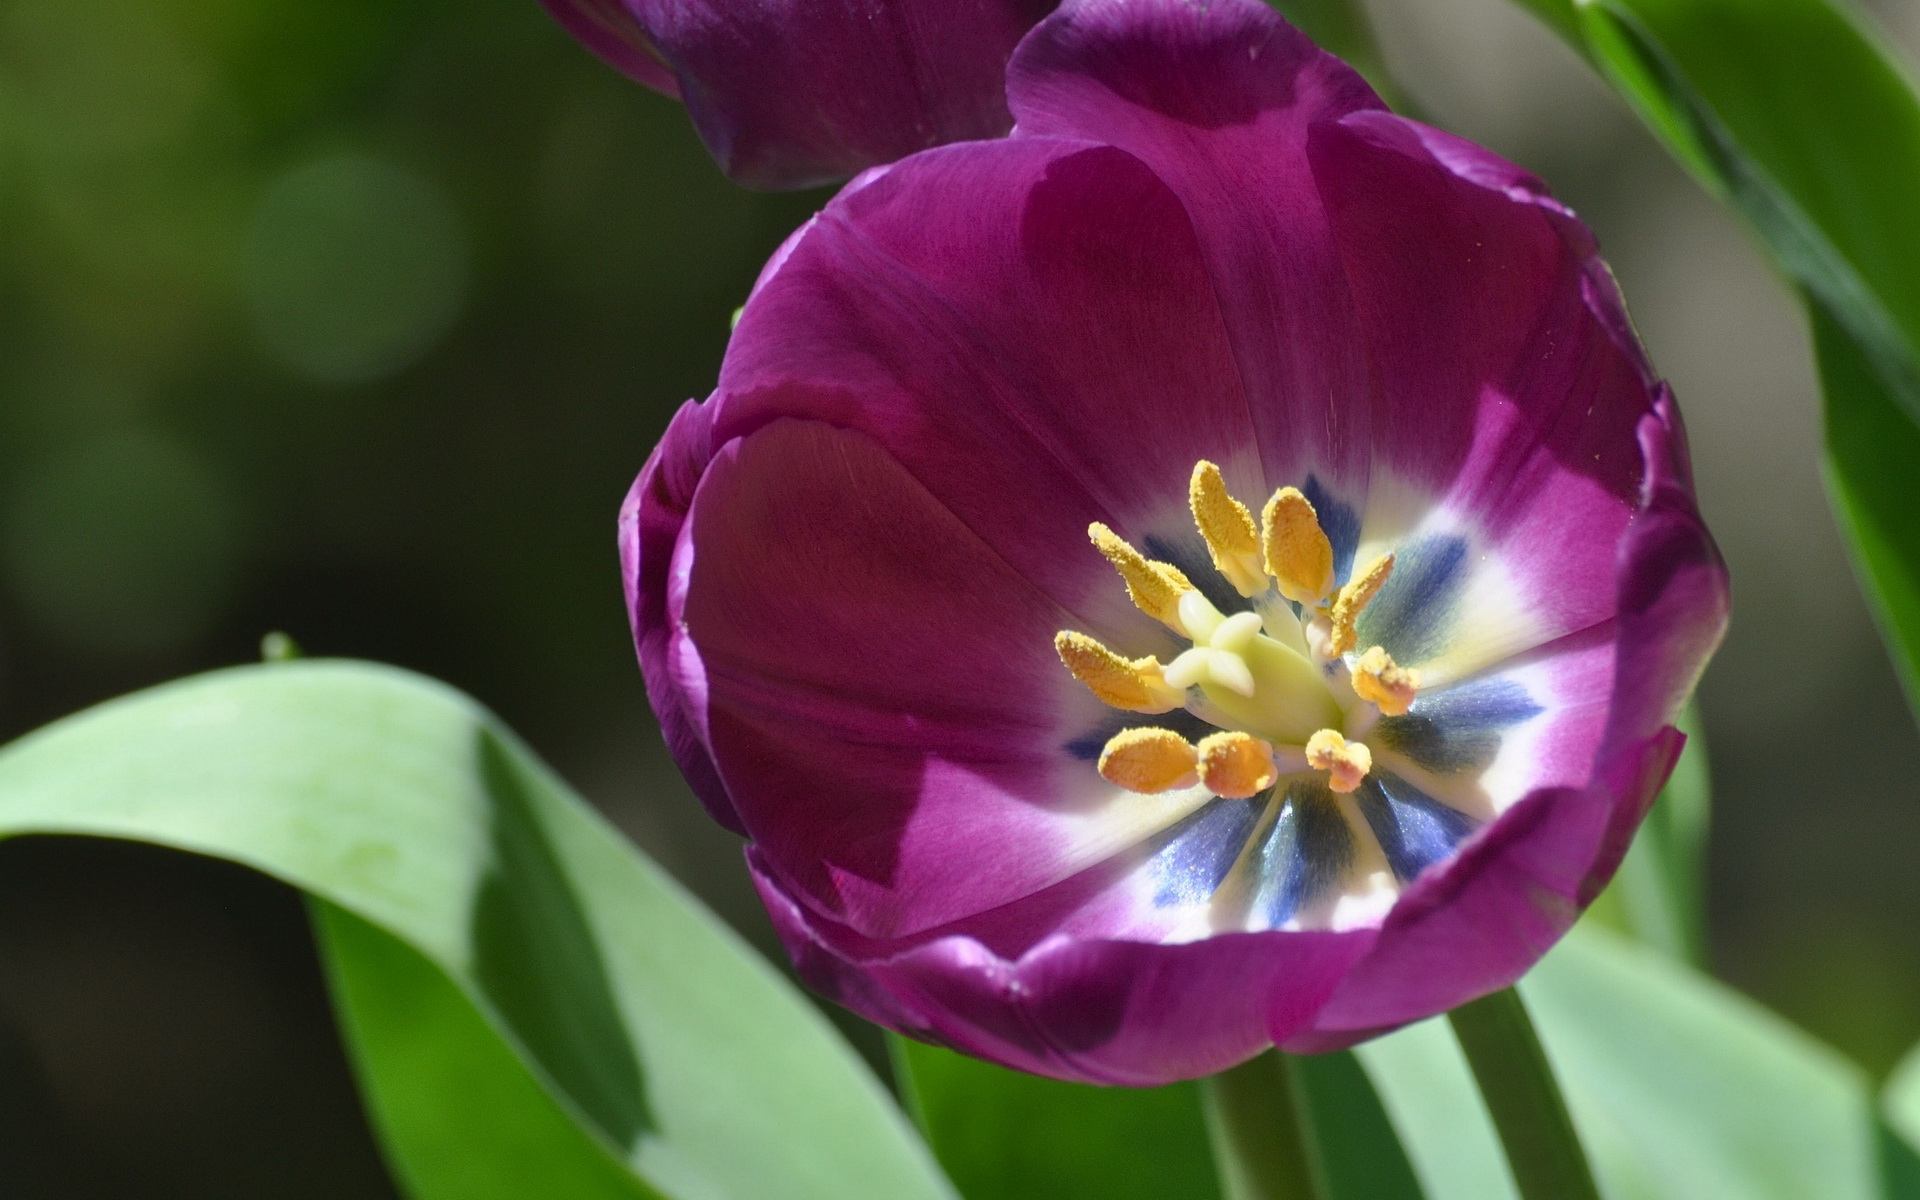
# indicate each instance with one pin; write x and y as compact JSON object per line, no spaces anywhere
{"x":1137,"y":685}
{"x":1346,"y":763}
{"x":1390,"y":686}
{"x":1155,"y":587}
{"x":1353,"y":600}
{"x":1296,"y":550}
{"x":1236,"y":765}
{"x":1228,"y":529}
{"x":1149,"y":760}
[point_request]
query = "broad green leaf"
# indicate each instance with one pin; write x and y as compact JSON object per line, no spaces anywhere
{"x":1796,"y":114}
{"x":1658,"y":895}
{"x":1680,"y":1087}
{"x":472,"y":874}
{"x":462,"y":1118}
{"x":1004,"y":1135}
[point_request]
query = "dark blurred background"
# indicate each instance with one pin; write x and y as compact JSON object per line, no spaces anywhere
{"x":356,"y":319}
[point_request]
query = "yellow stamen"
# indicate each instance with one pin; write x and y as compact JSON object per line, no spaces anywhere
{"x":1298,"y":554}
{"x":1228,"y":529}
{"x":1389,"y":685}
{"x":1353,"y":599}
{"x":1156,"y":587}
{"x":1347,"y":763}
{"x":1136,"y":685}
{"x":1148,"y":760}
{"x":1236,"y":765}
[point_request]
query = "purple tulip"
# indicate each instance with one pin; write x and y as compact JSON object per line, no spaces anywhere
{"x":791,"y":93}
{"x":1369,"y":710}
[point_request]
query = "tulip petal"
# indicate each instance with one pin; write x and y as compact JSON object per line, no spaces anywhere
{"x":881,"y":691}
{"x":1035,"y":309}
{"x":791,"y":93}
{"x":1092,"y":1010}
{"x":1220,"y":100}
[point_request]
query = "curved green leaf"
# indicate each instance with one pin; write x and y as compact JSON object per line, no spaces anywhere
{"x":460,"y":1116}
{"x":470,"y":872}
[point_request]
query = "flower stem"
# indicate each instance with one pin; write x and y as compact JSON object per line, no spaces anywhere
{"x":1261,"y":1128}
{"x":1517,"y":1082}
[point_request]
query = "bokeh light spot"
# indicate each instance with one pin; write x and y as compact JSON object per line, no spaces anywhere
{"x":127,"y":545}
{"x":354,"y":268}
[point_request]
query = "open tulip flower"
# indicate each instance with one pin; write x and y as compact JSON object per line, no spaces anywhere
{"x":790,"y":93}
{"x":1213,"y":569}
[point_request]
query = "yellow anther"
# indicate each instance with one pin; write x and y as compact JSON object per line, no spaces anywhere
{"x":1149,"y":760}
{"x":1389,"y":685}
{"x":1236,"y":765}
{"x":1353,"y":599}
{"x":1156,"y":587}
{"x":1298,"y":554}
{"x":1228,"y":529}
{"x":1136,"y":685}
{"x":1345,"y":762}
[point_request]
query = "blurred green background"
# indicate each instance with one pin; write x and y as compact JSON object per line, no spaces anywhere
{"x":356,"y":320}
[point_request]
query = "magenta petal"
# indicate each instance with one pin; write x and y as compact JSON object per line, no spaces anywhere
{"x":1220,"y":100}
{"x":791,"y":93}
{"x":881,"y":693}
{"x":1035,"y":308}
{"x":1085,"y":1009}
{"x":650,"y":524}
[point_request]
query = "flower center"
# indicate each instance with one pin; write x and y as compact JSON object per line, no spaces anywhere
{"x":1281,"y":681}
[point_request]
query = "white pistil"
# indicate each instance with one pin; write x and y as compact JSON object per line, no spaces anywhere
{"x":1219,"y":646}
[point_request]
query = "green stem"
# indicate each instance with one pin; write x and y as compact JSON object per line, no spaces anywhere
{"x":1516,"y":1080}
{"x":1261,"y":1129}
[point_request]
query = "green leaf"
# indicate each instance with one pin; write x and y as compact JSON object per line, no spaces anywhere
{"x":1004,"y":1135}
{"x":1680,"y":1089}
{"x":1797,"y":115}
{"x":465,"y":874}
{"x":462,"y":1117}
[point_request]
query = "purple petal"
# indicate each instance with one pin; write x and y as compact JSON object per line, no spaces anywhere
{"x":650,"y":524}
{"x":1091,"y":1010}
{"x":791,"y":93}
{"x":1033,"y":312}
{"x":881,"y":692}
{"x":1220,"y":100}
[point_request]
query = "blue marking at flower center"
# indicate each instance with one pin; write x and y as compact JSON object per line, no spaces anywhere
{"x":1457,"y":730}
{"x":1414,"y":613}
{"x":1414,"y":830}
